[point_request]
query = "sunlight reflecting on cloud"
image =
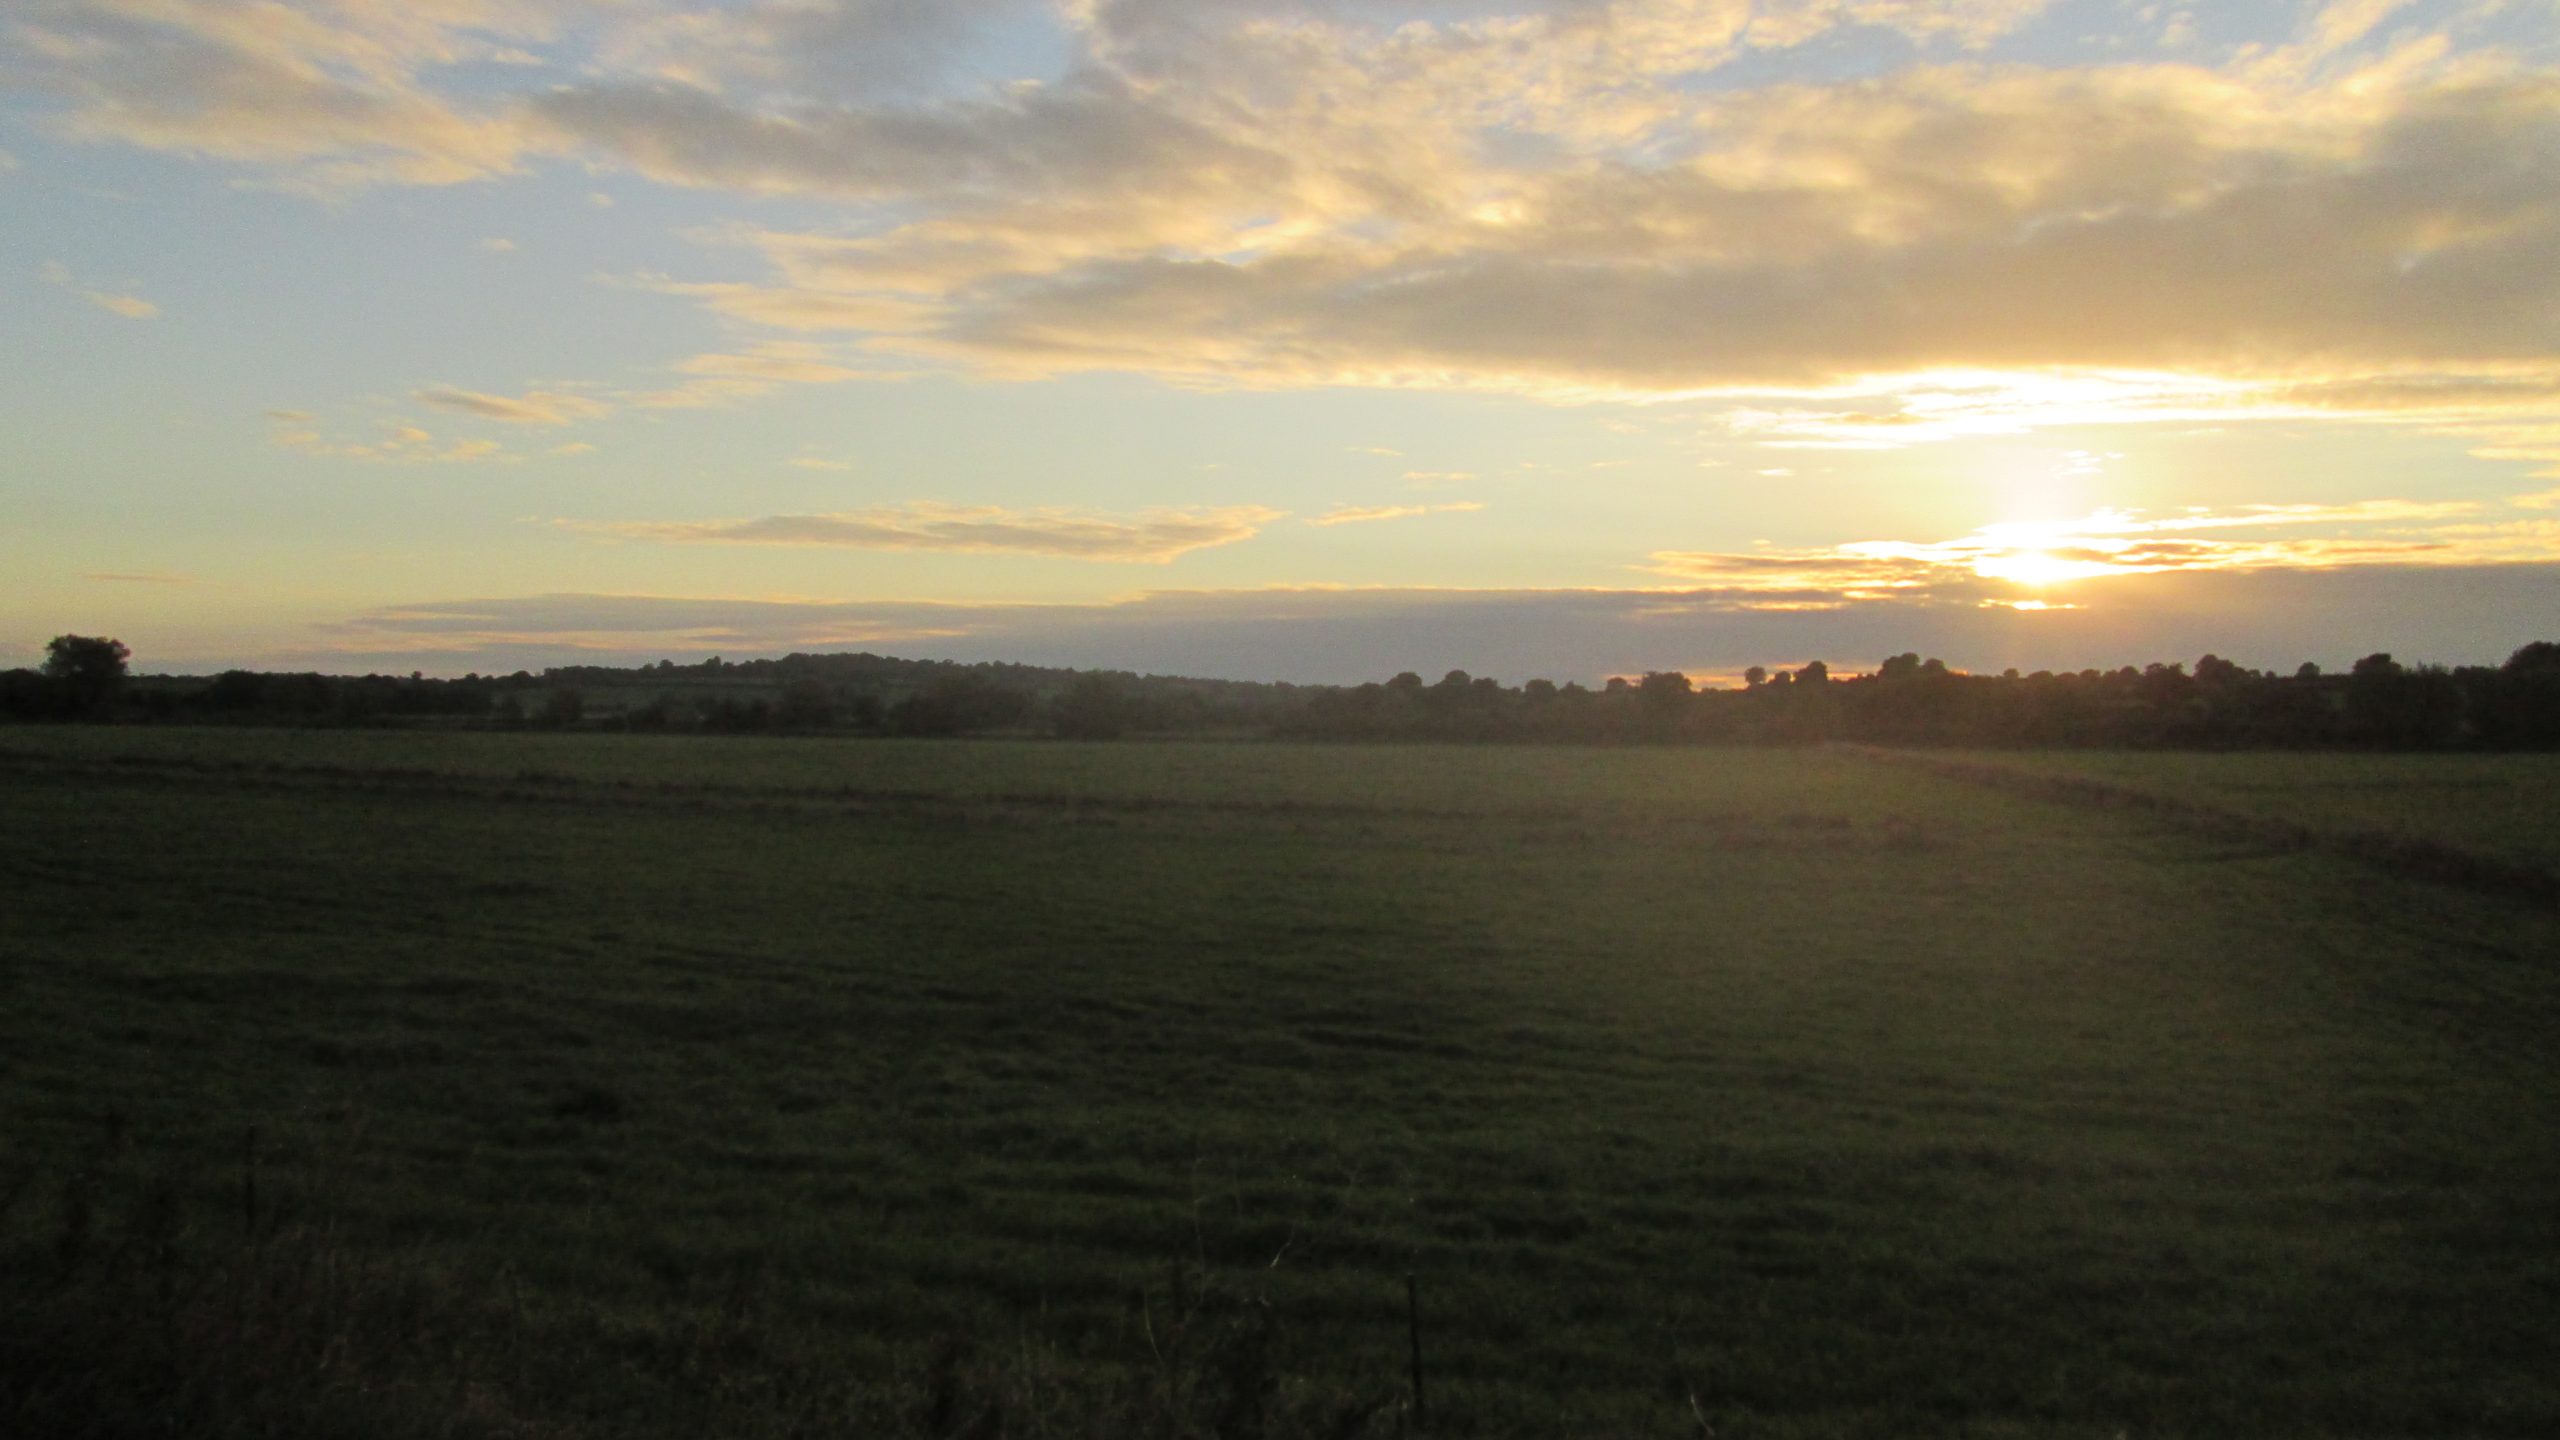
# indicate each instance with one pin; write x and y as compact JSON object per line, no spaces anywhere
{"x":1567,"y":199}
{"x":1361,"y":515}
{"x":399,"y":443}
{"x":2045,"y":555}
{"x":538,"y":407}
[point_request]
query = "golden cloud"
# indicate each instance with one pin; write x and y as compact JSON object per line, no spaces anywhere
{"x":1536,"y":197}
{"x":1360,"y":515}
{"x":400,"y":444}
{"x":1151,"y":537}
{"x":131,"y":307}
{"x":2044,"y":556}
{"x":537,"y":407}
{"x":333,"y":97}
{"x":723,"y":379}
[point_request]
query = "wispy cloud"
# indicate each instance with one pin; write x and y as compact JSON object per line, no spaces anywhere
{"x":536,"y":407}
{"x":1150,"y":537}
{"x":727,"y":378}
{"x":131,"y":307}
{"x":400,"y":443}
{"x":1361,"y":515}
{"x":327,"y":98}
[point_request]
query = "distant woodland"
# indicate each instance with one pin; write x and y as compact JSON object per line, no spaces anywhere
{"x":2379,"y":703}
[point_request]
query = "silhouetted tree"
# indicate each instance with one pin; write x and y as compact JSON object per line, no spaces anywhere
{"x":88,"y":668}
{"x":2542,"y":657}
{"x":1665,"y":693}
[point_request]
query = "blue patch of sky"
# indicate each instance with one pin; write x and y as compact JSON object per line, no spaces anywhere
{"x":2530,"y":31}
{"x":1832,"y":58}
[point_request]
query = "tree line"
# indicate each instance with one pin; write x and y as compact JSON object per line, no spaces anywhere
{"x":2378,"y":703}
{"x":85,"y":678}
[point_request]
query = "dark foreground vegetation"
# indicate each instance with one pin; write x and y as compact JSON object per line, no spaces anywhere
{"x":2378,"y":704}
{"x":398,"y":1083}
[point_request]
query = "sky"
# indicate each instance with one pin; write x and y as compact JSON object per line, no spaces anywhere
{"x":1307,"y":340}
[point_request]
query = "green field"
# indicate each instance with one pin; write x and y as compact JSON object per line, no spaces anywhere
{"x":2504,"y":806}
{"x":612,"y":1086}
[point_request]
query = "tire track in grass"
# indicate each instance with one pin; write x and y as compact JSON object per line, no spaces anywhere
{"x":2397,"y":853}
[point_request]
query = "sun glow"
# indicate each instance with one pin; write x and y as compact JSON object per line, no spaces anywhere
{"x":2038,"y":569}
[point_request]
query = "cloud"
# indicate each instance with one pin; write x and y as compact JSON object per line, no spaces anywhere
{"x":574,"y":447}
{"x":726,"y":378}
{"x":332,"y":97}
{"x":1150,"y":537}
{"x":1572,"y":199}
{"x":537,"y":407}
{"x":775,"y":363}
{"x":1094,"y":129}
{"x":2197,"y":252}
{"x":401,"y":443}
{"x":2005,"y":563}
{"x":496,"y":245}
{"x":2265,"y":618}
{"x":869,"y":47}
{"x":1356,"y":515}
{"x":1547,"y":204}
{"x":131,"y":307}
{"x":139,"y":578}
{"x":2342,"y":23}
{"x":8,"y":162}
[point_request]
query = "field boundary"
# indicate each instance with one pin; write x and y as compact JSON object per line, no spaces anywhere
{"x":2397,"y":852}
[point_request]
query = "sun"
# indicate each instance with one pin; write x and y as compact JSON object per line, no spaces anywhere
{"x":2038,"y":569}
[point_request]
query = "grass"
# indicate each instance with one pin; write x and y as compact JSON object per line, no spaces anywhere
{"x":2502,"y":806}
{"x":610,"y":1085}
